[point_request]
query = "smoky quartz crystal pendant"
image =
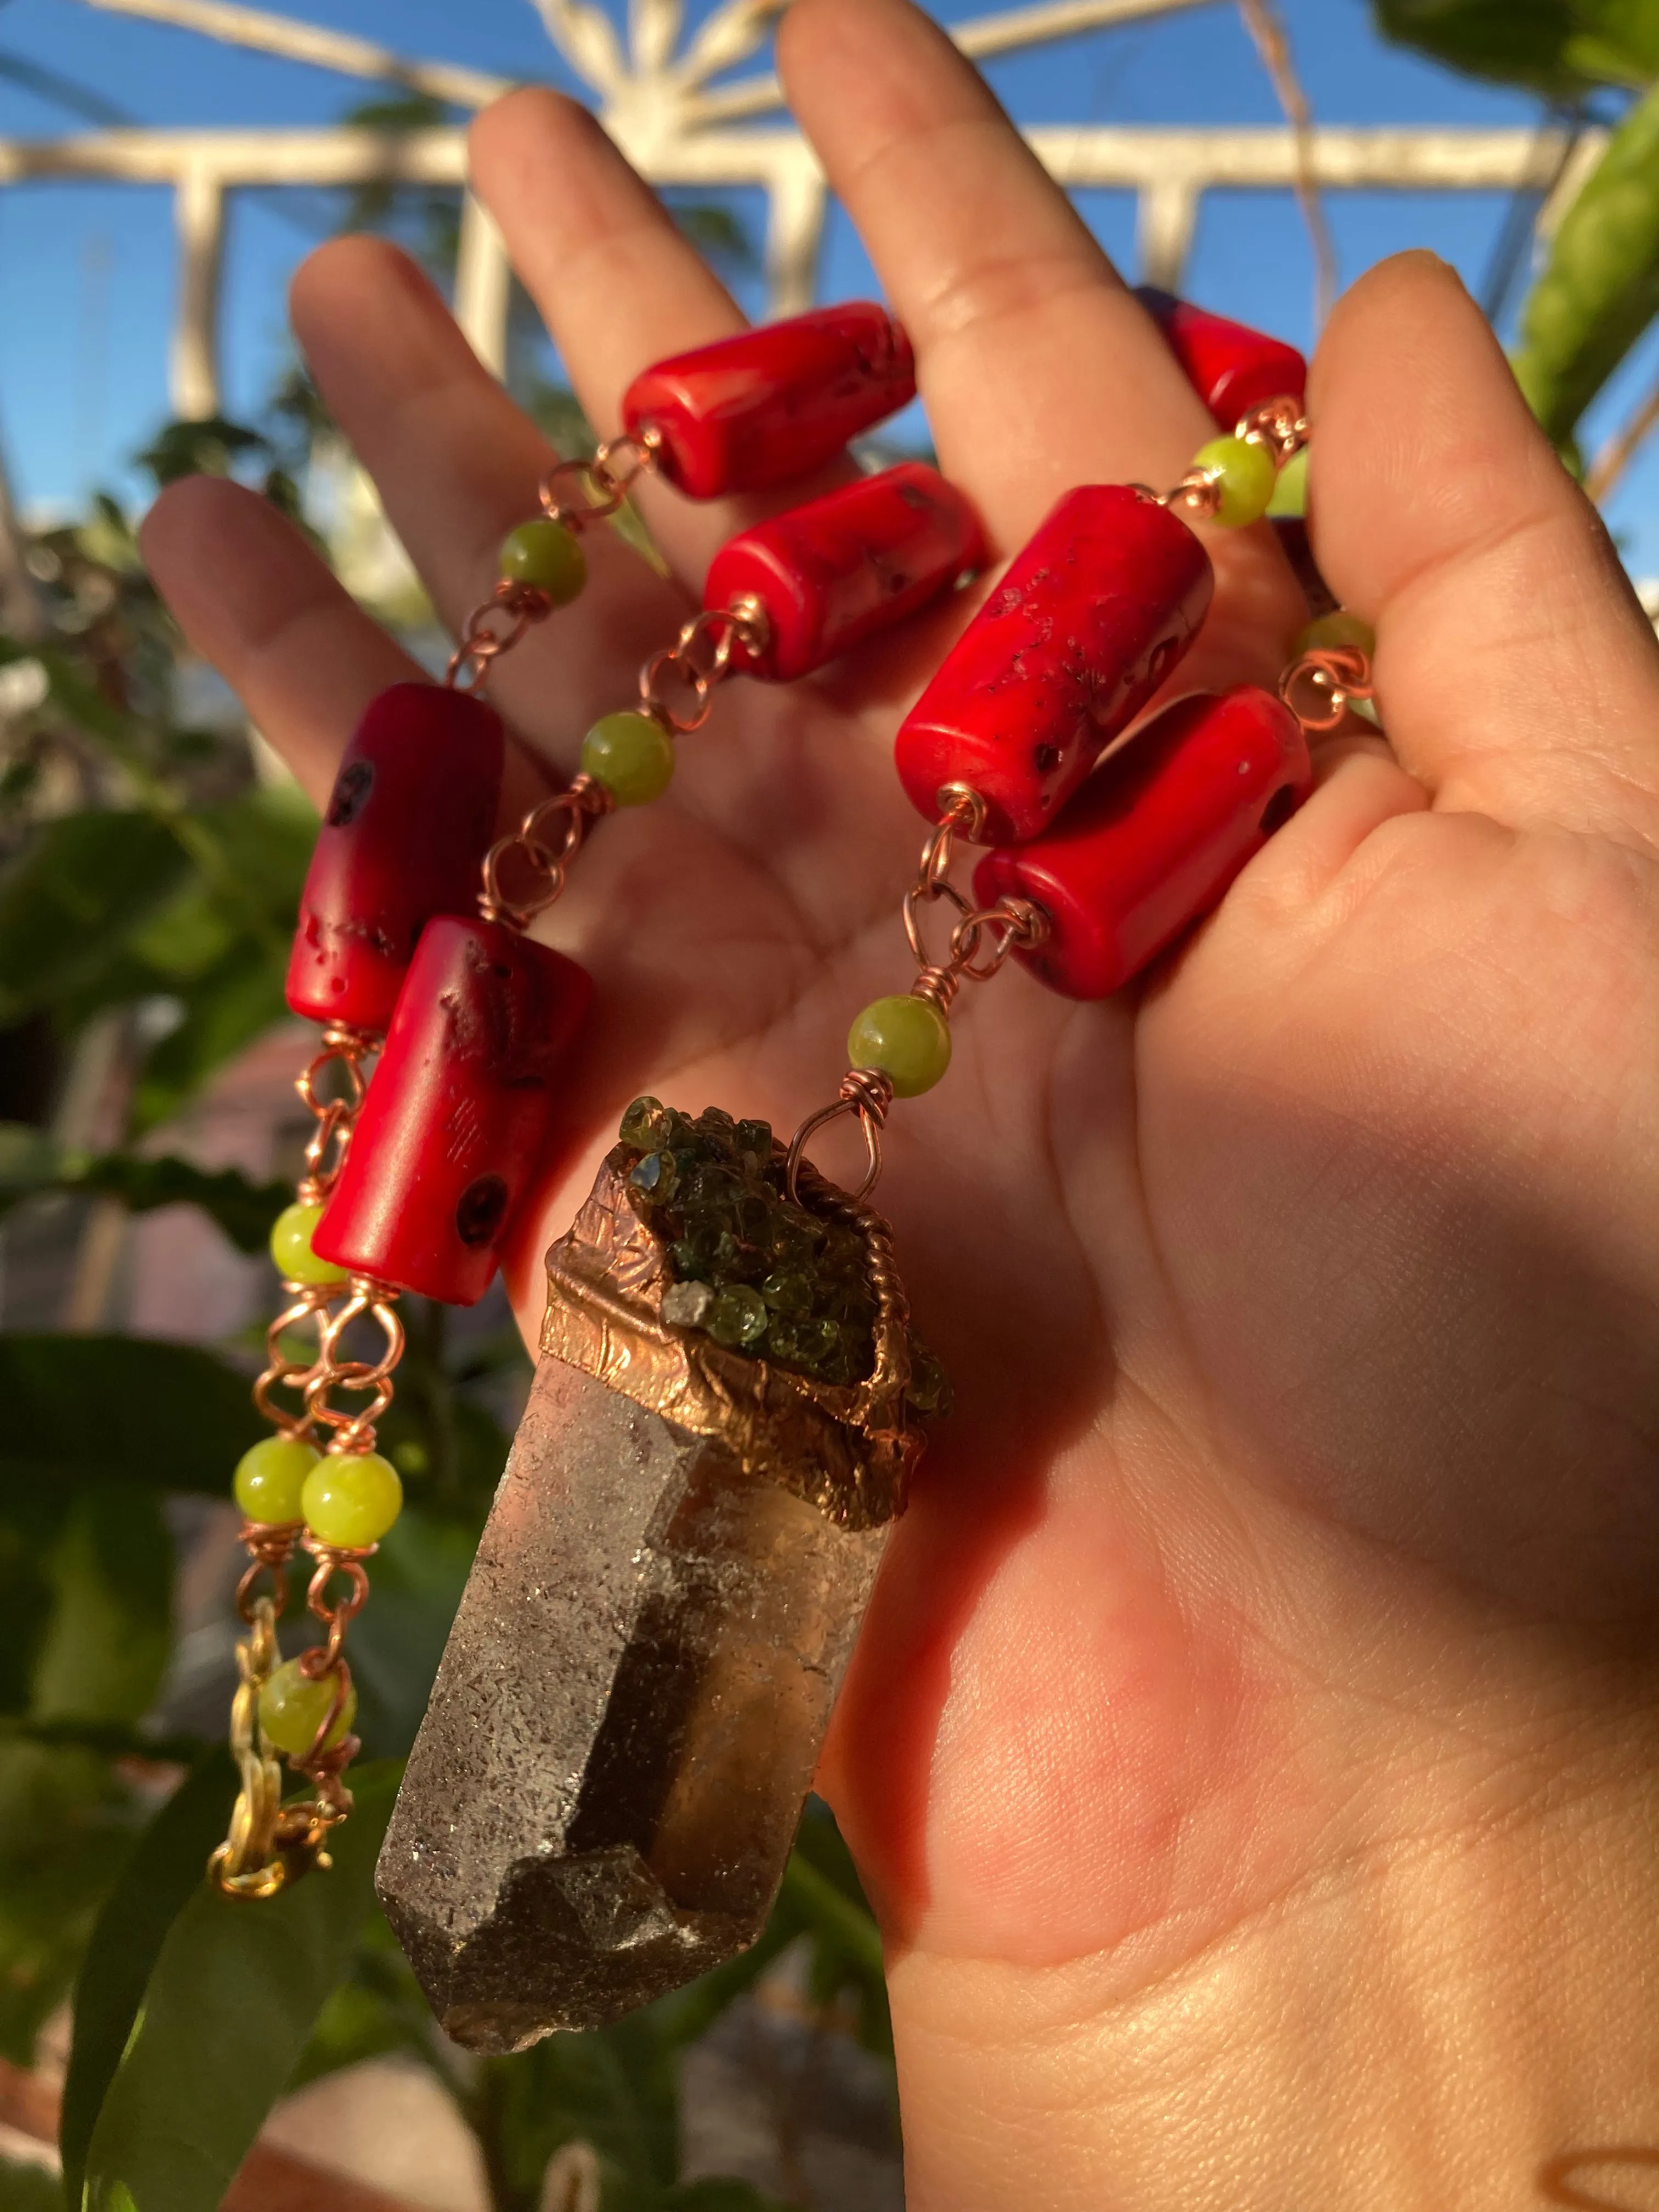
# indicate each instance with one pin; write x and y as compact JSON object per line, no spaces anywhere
{"x":604,"y":1793}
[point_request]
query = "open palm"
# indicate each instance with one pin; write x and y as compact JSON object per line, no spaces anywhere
{"x":1296,"y":1529}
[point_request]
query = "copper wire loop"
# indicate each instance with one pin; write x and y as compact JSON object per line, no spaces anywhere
{"x":347,"y":1049}
{"x":492,"y":630}
{"x":604,"y":481}
{"x":1318,"y":686}
{"x":541,"y":854}
{"x":270,"y":1545}
{"x":1278,"y":424}
{"x":699,"y":659}
{"x":868,"y":1093}
{"x":354,"y":1431}
{"x":310,"y":1303}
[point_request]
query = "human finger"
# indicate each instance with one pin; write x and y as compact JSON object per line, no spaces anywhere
{"x":618,"y":287}
{"x":457,"y":464}
{"x":1039,"y":370}
{"x":1516,"y":673}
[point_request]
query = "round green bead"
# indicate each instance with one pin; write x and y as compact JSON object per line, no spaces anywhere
{"x":1291,"y":487}
{"x":546,"y":556}
{"x":908,"y":1037}
{"x":269,"y":1477}
{"x":352,"y":1498}
{"x":290,"y":1247}
{"x":292,"y":1707}
{"x":1336,"y":630}
{"x":631,"y":755}
{"x":1244,"y":474}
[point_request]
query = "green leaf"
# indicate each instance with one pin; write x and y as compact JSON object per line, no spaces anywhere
{"x":204,"y":447}
{"x":75,"y":898}
{"x":244,"y":1209}
{"x":29,"y":2188}
{"x":84,"y":1409}
{"x":236,"y":1989}
{"x":65,"y":1824}
{"x":112,"y":1623}
{"x":615,"y":2087}
{"x":377,"y":2009}
{"x":160,"y":1879}
{"x":1562,"y":48}
{"x":1599,"y":290}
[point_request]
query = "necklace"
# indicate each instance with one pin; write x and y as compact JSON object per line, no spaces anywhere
{"x":731,"y":1399}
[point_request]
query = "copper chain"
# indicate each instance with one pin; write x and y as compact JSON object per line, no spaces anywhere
{"x":981,"y":938}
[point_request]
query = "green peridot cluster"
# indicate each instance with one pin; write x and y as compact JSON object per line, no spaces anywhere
{"x":752,"y":1269}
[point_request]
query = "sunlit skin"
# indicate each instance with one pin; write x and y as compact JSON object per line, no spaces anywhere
{"x":1248,"y":1748}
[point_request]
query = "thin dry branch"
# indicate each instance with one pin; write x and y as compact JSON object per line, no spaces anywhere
{"x":1272,"y":43}
{"x":1621,"y":449}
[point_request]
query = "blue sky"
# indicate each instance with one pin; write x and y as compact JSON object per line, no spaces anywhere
{"x":88,"y":270}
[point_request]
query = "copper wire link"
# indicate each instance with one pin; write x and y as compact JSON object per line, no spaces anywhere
{"x":543,"y":857}
{"x":345,"y":1049}
{"x":354,"y":1431}
{"x":1279,"y":424}
{"x":491,"y":629}
{"x":868,"y":1092}
{"x":617,"y":465}
{"x":1318,"y":686}
{"x":699,"y":659}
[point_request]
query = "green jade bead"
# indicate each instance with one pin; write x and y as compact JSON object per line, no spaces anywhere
{"x":632,"y":755}
{"x":290,"y":1247}
{"x":351,"y":1498}
{"x":269,"y":1477}
{"x":907,"y":1038}
{"x":1291,"y":488}
{"x":1339,"y":627}
{"x":547,"y":556}
{"x":292,"y":1707}
{"x":1244,"y":473}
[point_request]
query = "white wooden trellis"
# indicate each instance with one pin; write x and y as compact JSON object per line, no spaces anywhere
{"x":657,"y":100}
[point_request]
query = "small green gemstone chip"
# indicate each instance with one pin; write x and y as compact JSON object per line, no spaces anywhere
{"x":269,"y":1477}
{"x":655,"y":1176}
{"x":351,"y":1498}
{"x":290,"y":1247}
{"x":907,"y":1038}
{"x":631,"y":755}
{"x":642,"y":1122}
{"x":292,"y":1707}
{"x":547,"y":556}
{"x":1245,"y":475}
{"x":736,"y":1316}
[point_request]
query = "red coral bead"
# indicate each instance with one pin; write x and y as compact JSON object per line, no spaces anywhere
{"x":830,"y":573}
{"x":1231,"y":368}
{"x":1070,"y":646}
{"x":456,"y":1112}
{"x":408,"y":821}
{"x":1155,"y":838}
{"x":773,"y":402}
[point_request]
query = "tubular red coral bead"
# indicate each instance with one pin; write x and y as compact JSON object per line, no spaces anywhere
{"x":1155,"y":838}
{"x":454,"y":1118}
{"x":1085,"y":625}
{"x":830,"y":573}
{"x":773,"y":402}
{"x":1231,"y":368}
{"x":410,"y":818}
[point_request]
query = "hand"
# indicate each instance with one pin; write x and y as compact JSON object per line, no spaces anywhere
{"x":1248,"y":1748}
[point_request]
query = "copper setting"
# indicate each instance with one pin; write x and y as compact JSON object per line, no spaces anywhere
{"x":866,"y":1092}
